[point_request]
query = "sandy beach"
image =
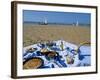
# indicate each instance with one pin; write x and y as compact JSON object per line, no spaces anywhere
{"x":73,"y":34}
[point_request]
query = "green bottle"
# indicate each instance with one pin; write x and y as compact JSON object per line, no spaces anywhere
{"x":62,"y":47}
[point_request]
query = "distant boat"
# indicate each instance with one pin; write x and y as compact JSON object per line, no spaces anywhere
{"x":44,"y":22}
{"x":77,"y":23}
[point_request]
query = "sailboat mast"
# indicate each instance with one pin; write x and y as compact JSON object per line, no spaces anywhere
{"x":77,"y":23}
{"x":45,"y":21}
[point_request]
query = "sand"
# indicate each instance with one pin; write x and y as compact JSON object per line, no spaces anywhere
{"x":74,"y":34}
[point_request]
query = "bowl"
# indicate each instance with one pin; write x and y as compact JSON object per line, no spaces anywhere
{"x":33,"y":63}
{"x":31,"y":50}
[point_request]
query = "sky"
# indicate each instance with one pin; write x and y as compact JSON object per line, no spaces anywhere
{"x":56,"y":17}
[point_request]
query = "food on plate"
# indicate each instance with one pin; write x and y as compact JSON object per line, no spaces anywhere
{"x":33,"y":63}
{"x":31,"y":49}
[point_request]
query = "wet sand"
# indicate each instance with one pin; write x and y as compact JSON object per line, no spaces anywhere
{"x":73,"y":34}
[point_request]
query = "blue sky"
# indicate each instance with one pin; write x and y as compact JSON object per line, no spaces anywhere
{"x":56,"y":17}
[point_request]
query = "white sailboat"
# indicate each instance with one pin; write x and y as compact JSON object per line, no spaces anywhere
{"x":45,"y":21}
{"x":77,"y":23}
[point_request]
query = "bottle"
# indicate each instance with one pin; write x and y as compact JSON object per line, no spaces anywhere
{"x":62,"y":46}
